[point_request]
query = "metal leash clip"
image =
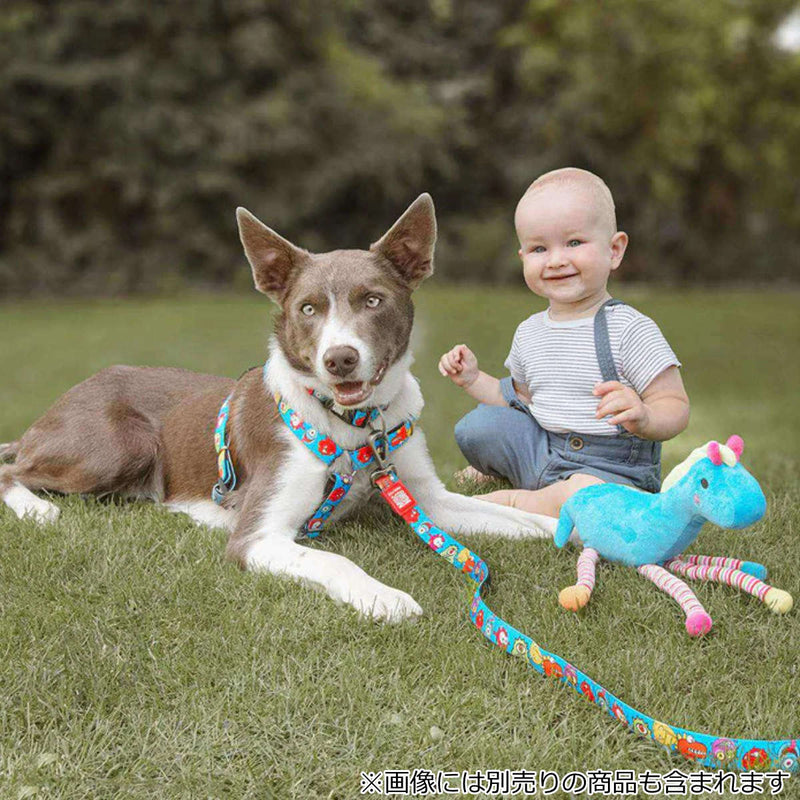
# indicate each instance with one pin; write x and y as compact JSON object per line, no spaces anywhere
{"x":380,"y":450}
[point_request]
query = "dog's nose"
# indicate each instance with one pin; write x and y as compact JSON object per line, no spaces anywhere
{"x":341,"y":360}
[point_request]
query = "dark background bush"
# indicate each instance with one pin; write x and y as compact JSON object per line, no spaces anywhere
{"x":130,"y":131}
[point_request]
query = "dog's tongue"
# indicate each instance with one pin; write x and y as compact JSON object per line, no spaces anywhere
{"x":351,"y":392}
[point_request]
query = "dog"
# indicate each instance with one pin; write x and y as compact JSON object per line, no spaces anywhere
{"x":342,"y":334}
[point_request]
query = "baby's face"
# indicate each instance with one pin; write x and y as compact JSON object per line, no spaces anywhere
{"x":567,"y":245}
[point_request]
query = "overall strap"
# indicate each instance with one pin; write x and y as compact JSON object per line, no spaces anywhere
{"x":605,"y":359}
{"x":602,"y":343}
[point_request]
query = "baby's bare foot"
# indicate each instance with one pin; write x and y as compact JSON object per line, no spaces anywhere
{"x":471,"y":475}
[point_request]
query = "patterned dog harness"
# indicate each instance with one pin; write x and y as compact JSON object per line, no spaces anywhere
{"x":321,"y":446}
{"x":380,"y":444}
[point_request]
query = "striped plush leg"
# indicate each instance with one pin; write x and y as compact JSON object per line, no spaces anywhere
{"x":750,"y":567}
{"x":576,"y":597}
{"x":776,"y":599}
{"x":697,"y":620}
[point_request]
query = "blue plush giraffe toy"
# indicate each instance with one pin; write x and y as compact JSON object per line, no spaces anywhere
{"x":651,"y":531}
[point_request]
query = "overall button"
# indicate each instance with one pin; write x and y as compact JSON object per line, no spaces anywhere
{"x":576,"y":443}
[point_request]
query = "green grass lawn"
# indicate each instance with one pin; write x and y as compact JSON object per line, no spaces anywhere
{"x":137,"y":663}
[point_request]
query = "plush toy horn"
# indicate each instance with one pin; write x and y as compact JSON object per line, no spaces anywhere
{"x":714,"y":453}
{"x":736,"y":443}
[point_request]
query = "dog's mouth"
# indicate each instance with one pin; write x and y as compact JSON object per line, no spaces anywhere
{"x":351,"y":393}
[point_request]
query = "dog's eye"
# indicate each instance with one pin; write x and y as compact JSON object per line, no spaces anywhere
{"x":704,"y":483}
{"x":307,"y":309}
{"x":373,"y":301}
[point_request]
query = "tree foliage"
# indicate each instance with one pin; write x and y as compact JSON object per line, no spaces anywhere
{"x":129,"y":132}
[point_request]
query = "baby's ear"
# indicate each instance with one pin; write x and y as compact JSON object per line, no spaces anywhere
{"x":619,"y":243}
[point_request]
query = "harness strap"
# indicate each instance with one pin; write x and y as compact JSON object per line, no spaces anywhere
{"x":335,"y":492}
{"x":325,"y":449}
{"x":227,"y":475}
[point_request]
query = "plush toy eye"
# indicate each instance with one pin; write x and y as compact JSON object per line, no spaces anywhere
{"x":373,"y":301}
{"x":307,"y":309}
{"x":704,"y":483}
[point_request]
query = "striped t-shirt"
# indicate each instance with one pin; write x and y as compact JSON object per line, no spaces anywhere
{"x":557,"y":361}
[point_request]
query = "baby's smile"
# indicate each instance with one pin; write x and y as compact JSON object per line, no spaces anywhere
{"x":561,"y":277}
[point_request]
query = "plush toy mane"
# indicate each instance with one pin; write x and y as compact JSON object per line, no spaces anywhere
{"x":727,"y":455}
{"x":681,"y":469}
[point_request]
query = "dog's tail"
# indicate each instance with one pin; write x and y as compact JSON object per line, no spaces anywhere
{"x":8,"y":451}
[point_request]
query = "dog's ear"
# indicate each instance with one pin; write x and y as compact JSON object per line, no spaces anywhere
{"x":272,"y":258}
{"x":409,"y":243}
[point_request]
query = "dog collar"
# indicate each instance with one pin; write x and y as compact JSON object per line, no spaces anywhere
{"x":326,"y":450}
{"x":358,"y":417}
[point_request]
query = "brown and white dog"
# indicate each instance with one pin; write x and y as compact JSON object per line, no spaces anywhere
{"x":343,"y":329}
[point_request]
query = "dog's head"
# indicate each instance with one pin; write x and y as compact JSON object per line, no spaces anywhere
{"x":346,"y":316}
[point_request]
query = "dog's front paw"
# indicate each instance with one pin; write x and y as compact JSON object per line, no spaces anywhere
{"x":387,"y":605}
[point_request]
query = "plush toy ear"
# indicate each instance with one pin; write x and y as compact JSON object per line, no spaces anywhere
{"x":409,"y":243}
{"x":714,"y":453}
{"x":736,"y":443}
{"x":272,"y":258}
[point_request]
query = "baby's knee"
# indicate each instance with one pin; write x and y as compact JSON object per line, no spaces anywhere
{"x":573,"y":484}
{"x":472,"y":433}
{"x":580,"y":480}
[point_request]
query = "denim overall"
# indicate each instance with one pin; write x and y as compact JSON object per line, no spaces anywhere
{"x":508,"y":442}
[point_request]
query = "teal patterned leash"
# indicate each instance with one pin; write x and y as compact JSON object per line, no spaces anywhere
{"x":706,"y":749}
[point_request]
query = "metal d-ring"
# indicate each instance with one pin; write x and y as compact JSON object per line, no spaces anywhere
{"x":380,"y":451}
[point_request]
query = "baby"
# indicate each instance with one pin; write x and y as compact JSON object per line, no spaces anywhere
{"x":594,"y":386}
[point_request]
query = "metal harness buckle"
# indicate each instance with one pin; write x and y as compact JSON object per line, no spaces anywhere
{"x":380,"y":450}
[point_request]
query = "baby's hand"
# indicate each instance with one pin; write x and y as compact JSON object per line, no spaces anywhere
{"x":623,"y":404}
{"x":460,"y":365}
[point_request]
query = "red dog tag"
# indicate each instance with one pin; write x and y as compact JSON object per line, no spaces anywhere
{"x":396,"y":495}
